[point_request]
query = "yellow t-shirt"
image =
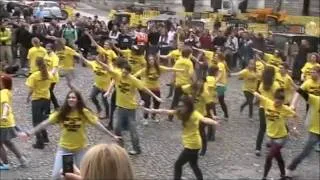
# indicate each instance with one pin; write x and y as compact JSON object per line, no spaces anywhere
{"x":74,"y":136}
{"x":286,"y":82}
{"x":224,"y":77}
{"x":102,"y":78}
{"x":184,"y":77}
{"x":250,"y":80}
{"x":276,"y":118}
{"x":210,"y":56}
{"x":269,"y":93}
{"x":191,"y":138}
{"x":210,"y":85}
{"x":6,"y":97}
{"x":112,"y":56}
{"x":137,"y":62}
{"x":259,"y":68}
{"x":66,"y":58}
{"x":314,"y":102}
{"x":40,"y":88}
{"x":32,"y":56}
{"x":273,"y":60}
{"x":306,"y":70}
{"x":126,"y":53}
{"x":151,"y":81}
{"x":311,"y":86}
{"x":175,"y":55}
{"x":126,"y":90}
{"x":52,"y":61}
{"x":200,"y":101}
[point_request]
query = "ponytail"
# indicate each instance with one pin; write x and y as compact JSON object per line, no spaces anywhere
{"x":42,"y":68}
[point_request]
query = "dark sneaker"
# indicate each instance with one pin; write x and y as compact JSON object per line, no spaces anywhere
{"x":38,"y":146}
{"x":258,"y":153}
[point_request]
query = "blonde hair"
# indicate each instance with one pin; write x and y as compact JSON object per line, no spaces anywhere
{"x":106,"y":161}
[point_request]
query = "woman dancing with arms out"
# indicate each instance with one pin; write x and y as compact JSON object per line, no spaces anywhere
{"x":73,"y":117}
{"x":190,"y":136}
{"x":8,"y":129}
{"x":275,"y":114}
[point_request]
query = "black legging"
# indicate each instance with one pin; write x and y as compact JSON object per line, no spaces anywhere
{"x":191,"y":156}
{"x":274,"y":152}
{"x":176,"y":98}
{"x":147,"y":102}
{"x":223,"y":106}
{"x":112,"y":109}
{"x":53,"y":97}
{"x":262,"y":129}
{"x":210,"y":135}
{"x":249,"y":101}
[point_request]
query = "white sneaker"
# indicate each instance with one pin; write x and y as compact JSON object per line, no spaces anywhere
{"x":145,"y":122}
{"x":289,"y":173}
{"x":156,"y":120}
{"x":23,"y":161}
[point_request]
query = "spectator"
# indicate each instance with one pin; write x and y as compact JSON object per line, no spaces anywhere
{"x":104,"y":161}
{"x":153,"y":38}
{"x":206,"y":40}
{"x":114,"y":33}
{"x":70,"y":34}
{"x":124,"y":40}
{"x":219,"y":40}
{"x":23,"y":40}
{"x":171,"y":35}
{"x":300,"y":60}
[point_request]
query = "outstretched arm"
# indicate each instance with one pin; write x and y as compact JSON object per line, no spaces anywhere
{"x":160,"y":111}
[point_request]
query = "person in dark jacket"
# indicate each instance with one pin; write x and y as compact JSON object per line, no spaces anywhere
{"x":300,"y":60}
{"x":23,"y":40}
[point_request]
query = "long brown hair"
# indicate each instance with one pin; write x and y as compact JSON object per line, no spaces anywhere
{"x":155,"y":65}
{"x":188,"y":103}
{"x":268,"y":78}
{"x":66,"y":109}
{"x":42,"y":68}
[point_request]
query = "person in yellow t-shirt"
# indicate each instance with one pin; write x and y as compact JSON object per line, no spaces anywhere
{"x":8,"y":128}
{"x":73,"y":118}
{"x":250,"y":79}
{"x":201,"y":98}
{"x":173,"y":55}
{"x":222,"y":83}
{"x":313,"y":129}
{"x":135,"y":57}
{"x":102,"y":81}
{"x":285,"y":81}
{"x":191,"y":138}
{"x":106,"y":49}
{"x":150,"y":76}
{"x":307,"y":68}
{"x":209,"y":55}
{"x":36,"y":51}
{"x":267,"y":88}
{"x":39,"y":84}
{"x":126,"y":101}
{"x":67,"y":57}
{"x":52,"y":61}
{"x":182,"y":78}
{"x":273,"y":59}
{"x":276,"y":114}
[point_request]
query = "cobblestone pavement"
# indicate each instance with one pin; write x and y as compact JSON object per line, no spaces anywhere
{"x":231,"y":156}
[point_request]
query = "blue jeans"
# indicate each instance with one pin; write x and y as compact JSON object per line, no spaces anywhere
{"x":57,"y":167}
{"x":126,"y":120}
{"x":308,"y":147}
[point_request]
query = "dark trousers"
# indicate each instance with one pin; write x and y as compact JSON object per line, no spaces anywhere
{"x":249,"y":101}
{"x":176,"y":98}
{"x":223,"y":106}
{"x":187,"y":156}
{"x":147,"y":101}
{"x":211,"y":133}
{"x":275,"y":152}
{"x":40,"y":110}
{"x":93,"y":96}
{"x":262,"y":129}
{"x":53,"y":97}
{"x":112,"y":108}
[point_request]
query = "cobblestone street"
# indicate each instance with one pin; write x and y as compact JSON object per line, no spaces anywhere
{"x":231,"y":156}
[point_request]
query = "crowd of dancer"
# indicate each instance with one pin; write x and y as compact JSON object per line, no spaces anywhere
{"x":127,"y":63}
